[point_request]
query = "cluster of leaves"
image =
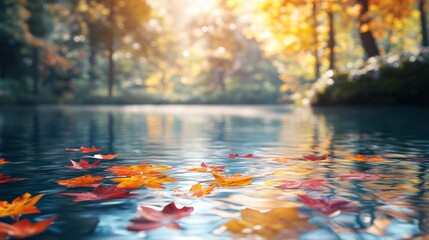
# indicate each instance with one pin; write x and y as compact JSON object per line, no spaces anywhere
{"x":276,"y":223}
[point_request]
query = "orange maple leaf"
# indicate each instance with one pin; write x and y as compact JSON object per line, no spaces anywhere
{"x":82,"y":181}
{"x":24,"y":228}
{"x":196,"y":190}
{"x":20,"y":205}
{"x":135,"y":182}
{"x":233,"y":180}
{"x":2,"y":161}
{"x":363,"y":158}
{"x":141,"y":169}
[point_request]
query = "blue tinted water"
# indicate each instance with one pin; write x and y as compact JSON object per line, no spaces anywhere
{"x":395,"y":207}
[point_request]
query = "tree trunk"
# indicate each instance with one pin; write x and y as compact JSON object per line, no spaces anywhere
{"x":111,"y":71}
{"x":331,"y":41}
{"x":92,"y":53}
{"x":315,"y":41}
{"x":35,"y":70}
{"x":422,"y":10}
{"x":367,"y":38}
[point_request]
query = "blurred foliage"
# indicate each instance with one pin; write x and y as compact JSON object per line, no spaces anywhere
{"x":215,"y":51}
{"x":389,"y":80}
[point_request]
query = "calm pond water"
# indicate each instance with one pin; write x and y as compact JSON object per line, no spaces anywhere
{"x":393,"y":207}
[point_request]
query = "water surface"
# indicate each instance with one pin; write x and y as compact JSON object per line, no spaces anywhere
{"x":394,"y":207}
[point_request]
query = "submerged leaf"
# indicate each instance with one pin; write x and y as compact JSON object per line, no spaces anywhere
{"x":82,"y":181}
{"x":279,"y":223}
{"x":356,"y":175}
{"x":310,"y":184}
{"x":82,"y":165}
{"x":363,"y":158}
{"x":312,"y":157}
{"x":7,"y":179}
{"x":24,"y":228}
{"x":20,"y":205}
{"x":327,"y":206}
{"x":100,"y":193}
{"x":233,"y":180}
{"x":151,"y":219}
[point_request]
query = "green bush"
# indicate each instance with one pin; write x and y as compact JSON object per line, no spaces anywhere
{"x":380,"y":82}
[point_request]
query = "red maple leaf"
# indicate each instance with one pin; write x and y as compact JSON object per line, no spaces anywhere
{"x":83,"y":164}
{"x":101,"y":193}
{"x":327,"y":206}
{"x":312,"y":157}
{"x":356,"y":175}
{"x":24,"y":228}
{"x":7,"y":179}
{"x":310,"y":184}
{"x":233,"y":155}
{"x":151,"y":218}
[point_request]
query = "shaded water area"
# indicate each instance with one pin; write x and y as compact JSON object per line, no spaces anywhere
{"x":393,"y":207}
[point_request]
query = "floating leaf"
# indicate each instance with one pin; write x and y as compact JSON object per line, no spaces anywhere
{"x":82,"y":165}
{"x":312,"y":157}
{"x":84,"y":149}
{"x":142,"y":169}
{"x":20,"y":205}
{"x":233,"y":180}
{"x":356,"y":175}
{"x":135,"y":182}
{"x":24,"y":228}
{"x":206,"y":168}
{"x":278,"y":223}
{"x":233,"y":155}
{"x":363,"y":158}
{"x":310,"y":184}
{"x":327,"y":206}
{"x":151,"y":219}
{"x":101,"y":193}
{"x":82,"y":181}
{"x":196,"y":190}
{"x":105,"y":156}
{"x":7,"y":179}
{"x":418,"y":159}
{"x":2,"y":161}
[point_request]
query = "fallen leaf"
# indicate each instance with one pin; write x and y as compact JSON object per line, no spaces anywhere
{"x":233,"y":155}
{"x":233,"y":180}
{"x":135,"y":182}
{"x":196,"y":190}
{"x":100,"y":193}
{"x":105,"y":156}
{"x":327,"y":206}
{"x":84,"y":149}
{"x":310,"y":184}
{"x":7,"y":179}
{"x":20,"y":205}
{"x":24,"y":228}
{"x":142,"y":169}
{"x":151,"y":218}
{"x":312,"y":157}
{"x":2,"y":161}
{"x":278,"y":223}
{"x":82,"y":181}
{"x":82,"y":165}
{"x":363,"y":158}
{"x":356,"y":175}
{"x":206,"y":168}
{"x":418,"y":159}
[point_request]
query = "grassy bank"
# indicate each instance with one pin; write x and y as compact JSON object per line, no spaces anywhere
{"x":392,"y":80}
